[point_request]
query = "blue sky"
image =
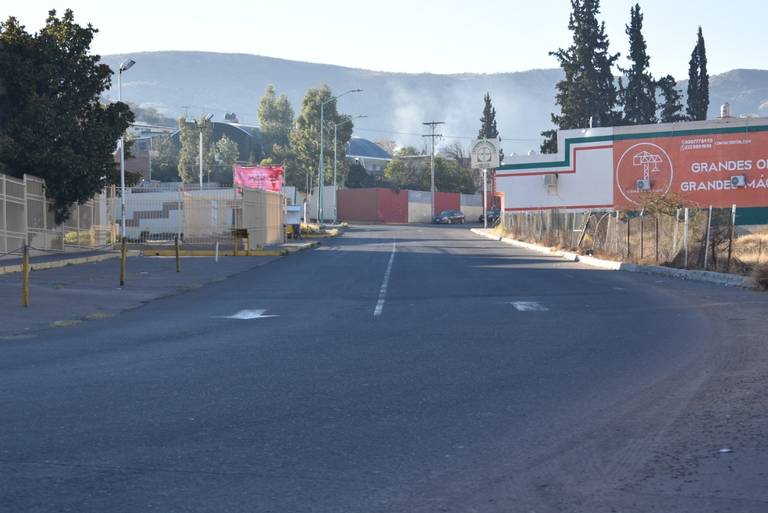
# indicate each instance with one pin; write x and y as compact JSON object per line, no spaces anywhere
{"x":446,"y":36}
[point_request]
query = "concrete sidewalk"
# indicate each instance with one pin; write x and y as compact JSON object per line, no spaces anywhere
{"x":90,"y":292}
{"x":52,"y":260}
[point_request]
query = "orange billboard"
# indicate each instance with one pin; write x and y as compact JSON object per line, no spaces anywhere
{"x":706,"y":169}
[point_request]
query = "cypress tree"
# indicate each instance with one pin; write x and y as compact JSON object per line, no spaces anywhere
{"x":488,"y":129}
{"x":672,"y":108}
{"x":639,"y":97}
{"x":587,"y":96}
{"x":698,"y":81}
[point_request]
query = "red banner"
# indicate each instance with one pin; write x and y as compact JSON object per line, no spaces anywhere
{"x":269,"y":178}
{"x":698,"y":168}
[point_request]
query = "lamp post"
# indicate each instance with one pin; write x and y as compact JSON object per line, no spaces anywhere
{"x":124,"y":66}
{"x":321,"y":177}
{"x":201,"y":127}
{"x":335,"y":151}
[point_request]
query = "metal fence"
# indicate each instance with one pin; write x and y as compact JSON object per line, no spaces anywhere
{"x":688,"y":238}
{"x":204,"y":217}
{"x":25,"y":217}
{"x":154,"y":215}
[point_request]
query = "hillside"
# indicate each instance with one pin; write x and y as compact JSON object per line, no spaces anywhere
{"x":396,"y":103}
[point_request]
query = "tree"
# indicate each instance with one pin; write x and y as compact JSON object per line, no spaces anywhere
{"x":698,"y":81}
{"x":672,"y":108}
{"x":305,"y":137}
{"x":275,"y":119}
{"x":449,"y":177}
{"x":387,"y":145}
{"x":488,"y":129}
{"x":189,"y":154}
{"x":231,"y":117}
{"x":165,"y":167}
{"x":639,"y":97}
{"x":358,"y":177}
{"x":587,"y":95}
{"x":52,"y":123}
{"x":404,"y":173}
{"x":226,"y":153}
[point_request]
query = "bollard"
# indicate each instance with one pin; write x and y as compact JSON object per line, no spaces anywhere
{"x":248,"y":244}
{"x":178,"y":259}
{"x":216,"y":255}
{"x":25,"y":278}
{"x":122,"y":261}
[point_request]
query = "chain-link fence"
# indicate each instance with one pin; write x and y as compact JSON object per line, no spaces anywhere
{"x":679,"y":237}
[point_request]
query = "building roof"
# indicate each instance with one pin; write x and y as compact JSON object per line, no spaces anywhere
{"x":359,"y":147}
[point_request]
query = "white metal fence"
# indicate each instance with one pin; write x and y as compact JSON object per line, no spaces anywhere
{"x":25,"y":217}
{"x":201,"y":217}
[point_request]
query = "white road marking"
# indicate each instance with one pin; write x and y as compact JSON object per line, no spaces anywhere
{"x":247,"y":315}
{"x":529,"y":306}
{"x":385,"y":283}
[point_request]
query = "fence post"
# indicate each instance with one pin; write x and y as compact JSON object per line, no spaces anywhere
{"x":706,"y":243}
{"x":178,"y":259}
{"x":25,"y":277}
{"x":122,"y":261}
{"x":642,"y":235}
{"x":731,"y":230}
{"x":629,"y":228}
{"x":685,"y":236}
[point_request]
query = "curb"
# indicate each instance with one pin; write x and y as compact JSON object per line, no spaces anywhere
{"x":212,"y":253}
{"x":727,"y":280}
{"x":55,"y":264}
{"x":285,"y":251}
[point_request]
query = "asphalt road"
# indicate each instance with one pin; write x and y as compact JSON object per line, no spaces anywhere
{"x":471,"y":377}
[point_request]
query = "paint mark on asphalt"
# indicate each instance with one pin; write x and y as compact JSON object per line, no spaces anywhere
{"x":529,"y":306}
{"x":385,"y":283}
{"x":247,"y":315}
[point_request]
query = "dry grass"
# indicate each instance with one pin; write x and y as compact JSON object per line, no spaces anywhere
{"x":752,"y":249}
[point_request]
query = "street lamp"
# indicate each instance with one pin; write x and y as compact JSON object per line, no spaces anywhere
{"x":124,"y":66}
{"x":335,"y":151}
{"x":321,"y":177}
{"x":201,"y":127}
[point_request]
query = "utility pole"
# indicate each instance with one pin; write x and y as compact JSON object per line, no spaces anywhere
{"x":433,"y":125}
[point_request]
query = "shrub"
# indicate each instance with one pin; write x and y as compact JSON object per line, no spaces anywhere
{"x":760,"y":277}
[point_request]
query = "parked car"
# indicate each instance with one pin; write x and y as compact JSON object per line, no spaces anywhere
{"x":493,"y":215}
{"x":449,"y":217}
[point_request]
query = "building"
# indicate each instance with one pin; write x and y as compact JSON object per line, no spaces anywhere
{"x":372,"y":156}
{"x":720,"y":162}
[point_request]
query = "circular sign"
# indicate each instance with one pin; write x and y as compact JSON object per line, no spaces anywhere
{"x":644,"y":168}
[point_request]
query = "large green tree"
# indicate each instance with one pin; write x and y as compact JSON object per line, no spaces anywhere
{"x":639,"y":97}
{"x":52,"y":123}
{"x":698,"y":81}
{"x":488,"y":128}
{"x":672,"y":106}
{"x":226,"y":154}
{"x":275,"y":120}
{"x":165,"y":165}
{"x":189,"y":153}
{"x":587,"y":95}
{"x":305,"y":139}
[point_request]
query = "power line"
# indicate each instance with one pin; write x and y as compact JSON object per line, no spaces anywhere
{"x":448,"y":136}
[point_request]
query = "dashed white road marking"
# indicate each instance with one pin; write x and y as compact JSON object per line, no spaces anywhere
{"x":247,"y":315}
{"x":529,"y":306}
{"x":385,"y":282}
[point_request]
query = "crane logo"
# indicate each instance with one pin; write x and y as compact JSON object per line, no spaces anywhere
{"x":643,"y":168}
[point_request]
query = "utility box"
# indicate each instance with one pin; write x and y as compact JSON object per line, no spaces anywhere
{"x":293,"y":214}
